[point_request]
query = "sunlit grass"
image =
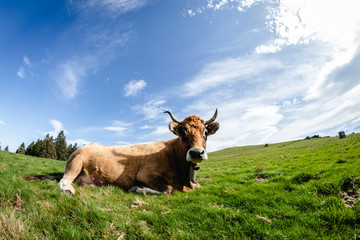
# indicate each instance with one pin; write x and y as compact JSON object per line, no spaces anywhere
{"x":296,"y":194}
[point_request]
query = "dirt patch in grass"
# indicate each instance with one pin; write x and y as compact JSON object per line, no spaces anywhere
{"x":263,"y":175}
{"x":260,"y":179}
{"x":350,"y":197}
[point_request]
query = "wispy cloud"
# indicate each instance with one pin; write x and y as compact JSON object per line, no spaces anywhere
{"x":215,"y":5}
{"x":114,"y":8}
{"x":134,"y":87}
{"x":119,"y":127}
{"x":80,"y":142}
{"x":2,"y":123}
{"x":99,"y":49}
{"x":152,"y":109}
{"x":299,"y":22}
{"x":97,"y":43}
{"x":21,"y":72}
{"x":57,"y":125}
{"x":26,"y":69}
{"x":267,"y":96}
{"x":304,"y":22}
{"x":276,"y":107}
{"x":227,"y":72}
{"x":69,"y":74}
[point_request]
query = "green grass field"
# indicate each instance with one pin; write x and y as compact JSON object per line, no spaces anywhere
{"x":291,"y":190}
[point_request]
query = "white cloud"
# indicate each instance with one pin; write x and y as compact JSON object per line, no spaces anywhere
{"x":27,"y":61}
{"x":322,"y":114}
{"x":244,"y":123}
{"x":134,"y":87}
{"x":21,"y":72}
{"x":96,"y":45}
{"x":123,"y":143}
{"x":118,"y":127}
{"x":26,"y":69}
{"x":115,"y":129}
{"x":216,"y":5}
{"x":296,"y":22}
{"x":161,"y":131}
{"x":333,"y":25}
{"x":2,"y":123}
{"x":158,"y":133}
{"x":151,"y":110}
{"x":58,"y":126}
{"x":301,"y":21}
{"x":69,"y":75}
{"x":113,"y":8}
{"x":228,"y":71}
{"x":271,"y":104}
{"x":80,"y":142}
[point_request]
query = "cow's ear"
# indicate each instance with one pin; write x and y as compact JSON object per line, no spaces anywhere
{"x":212,"y":127}
{"x":174,"y":127}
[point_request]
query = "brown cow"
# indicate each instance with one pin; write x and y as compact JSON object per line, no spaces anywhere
{"x":157,"y":168}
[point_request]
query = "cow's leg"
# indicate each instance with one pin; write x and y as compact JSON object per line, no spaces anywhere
{"x":73,"y":168}
{"x":154,"y":185}
{"x":145,"y":190}
{"x":195,"y":184}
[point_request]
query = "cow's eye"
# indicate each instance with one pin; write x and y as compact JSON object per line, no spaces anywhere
{"x":205,"y":134}
{"x":184,"y":131}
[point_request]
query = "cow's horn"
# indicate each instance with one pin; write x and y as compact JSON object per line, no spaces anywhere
{"x":172,"y":117}
{"x":213,"y":118}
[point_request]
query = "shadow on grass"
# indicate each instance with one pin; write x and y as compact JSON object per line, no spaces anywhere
{"x":52,"y":176}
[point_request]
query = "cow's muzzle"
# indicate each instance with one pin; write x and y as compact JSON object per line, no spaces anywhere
{"x":196,"y":155}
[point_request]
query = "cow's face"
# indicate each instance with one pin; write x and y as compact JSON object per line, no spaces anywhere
{"x":194,"y":132}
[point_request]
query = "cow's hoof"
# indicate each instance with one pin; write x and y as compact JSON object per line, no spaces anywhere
{"x":66,"y":187}
{"x":68,"y":192}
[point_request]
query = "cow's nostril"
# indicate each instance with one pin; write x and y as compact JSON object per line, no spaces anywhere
{"x":194,"y":153}
{"x":197,"y":153}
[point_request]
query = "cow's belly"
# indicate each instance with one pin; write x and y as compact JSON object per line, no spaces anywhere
{"x":118,"y":171}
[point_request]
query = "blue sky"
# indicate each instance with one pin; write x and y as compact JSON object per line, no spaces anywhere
{"x":105,"y":70}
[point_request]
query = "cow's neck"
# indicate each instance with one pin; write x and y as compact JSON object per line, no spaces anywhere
{"x":179,"y":151}
{"x":178,"y":157}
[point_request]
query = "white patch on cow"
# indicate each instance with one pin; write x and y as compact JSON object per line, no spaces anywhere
{"x":66,"y":187}
{"x":145,"y":190}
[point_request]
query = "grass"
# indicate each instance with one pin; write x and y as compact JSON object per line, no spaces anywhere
{"x":298,"y":196}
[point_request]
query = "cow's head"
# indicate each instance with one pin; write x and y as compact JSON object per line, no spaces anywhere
{"x":194,"y":131}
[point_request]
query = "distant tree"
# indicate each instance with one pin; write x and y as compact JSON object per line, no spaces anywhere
{"x":38,"y":148}
{"x":21,"y":149}
{"x":6,"y":149}
{"x":71,"y":148}
{"x":69,"y":152}
{"x":48,"y":150}
{"x":60,"y":146}
{"x":30,"y":149}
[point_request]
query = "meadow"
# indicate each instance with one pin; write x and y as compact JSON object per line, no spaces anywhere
{"x":303,"y":189}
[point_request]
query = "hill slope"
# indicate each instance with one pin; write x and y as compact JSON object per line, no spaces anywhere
{"x":303,"y":189}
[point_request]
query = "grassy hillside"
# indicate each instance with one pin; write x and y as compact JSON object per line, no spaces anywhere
{"x":295,"y":190}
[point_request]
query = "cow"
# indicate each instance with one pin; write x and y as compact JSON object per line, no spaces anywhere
{"x":156,"y":168}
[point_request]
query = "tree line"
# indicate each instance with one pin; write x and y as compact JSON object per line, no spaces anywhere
{"x":49,"y":148}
